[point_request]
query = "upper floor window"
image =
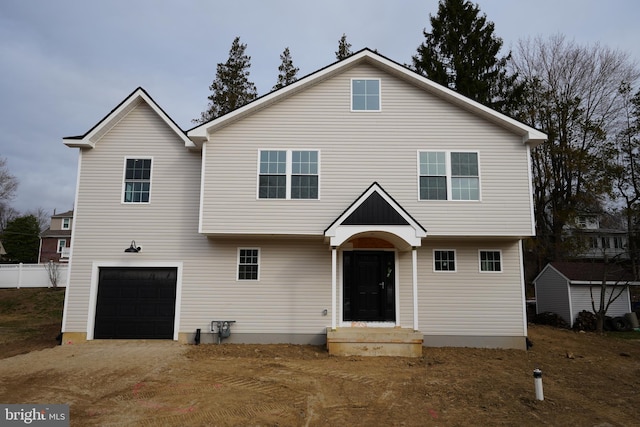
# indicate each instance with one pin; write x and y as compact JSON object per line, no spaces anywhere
{"x":66,"y":223}
{"x":288,"y":174}
{"x":449,"y":175}
{"x":248,"y":264}
{"x":444,"y":260}
{"x":490,"y":261}
{"x":137,"y":180}
{"x":62,"y":243}
{"x":365,"y":95}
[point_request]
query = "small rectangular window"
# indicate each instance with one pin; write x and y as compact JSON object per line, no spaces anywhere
{"x":248,"y":264}
{"x":444,"y":260}
{"x":606,"y":243}
{"x":62,"y":243}
{"x":137,"y":180}
{"x":365,"y":95}
{"x":490,"y":261}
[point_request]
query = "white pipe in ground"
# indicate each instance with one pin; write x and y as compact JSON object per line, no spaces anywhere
{"x":537,"y":380}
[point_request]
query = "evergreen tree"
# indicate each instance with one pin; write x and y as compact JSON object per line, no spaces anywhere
{"x":461,"y":52}
{"x":231,"y":88}
{"x":21,"y":239}
{"x":287,"y":72}
{"x":344,"y":48}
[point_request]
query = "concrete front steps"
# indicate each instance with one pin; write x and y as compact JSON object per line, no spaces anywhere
{"x":362,"y":341}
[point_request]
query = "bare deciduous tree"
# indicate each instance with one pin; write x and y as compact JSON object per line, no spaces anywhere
{"x":572,"y":96}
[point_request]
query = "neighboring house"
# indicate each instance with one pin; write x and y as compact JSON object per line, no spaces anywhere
{"x":566,"y":288}
{"x":55,"y":242}
{"x":595,"y":242}
{"x":360,"y":198}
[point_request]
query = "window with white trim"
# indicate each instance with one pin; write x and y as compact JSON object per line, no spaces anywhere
{"x":365,"y":95}
{"x":62,"y":243}
{"x":444,"y":260}
{"x":490,"y":261}
{"x":66,"y":223}
{"x":248,"y":263}
{"x":288,"y":174}
{"x":137,"y":180}
{"x":445,"y":175}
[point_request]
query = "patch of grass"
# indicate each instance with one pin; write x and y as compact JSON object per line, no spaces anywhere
{"x":30,"y":319}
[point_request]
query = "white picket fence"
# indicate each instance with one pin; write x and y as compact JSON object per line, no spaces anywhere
{"x":30,"y":276}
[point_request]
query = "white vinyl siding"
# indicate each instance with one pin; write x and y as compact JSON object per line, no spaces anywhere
{"x":167,"y":229}
{"x":468,"y":302}
{"x":357,"y":150}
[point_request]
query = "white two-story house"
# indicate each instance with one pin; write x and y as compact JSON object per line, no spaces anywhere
{"x":360,"y":198}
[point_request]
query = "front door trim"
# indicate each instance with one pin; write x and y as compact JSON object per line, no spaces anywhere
{"x":341,"y":298}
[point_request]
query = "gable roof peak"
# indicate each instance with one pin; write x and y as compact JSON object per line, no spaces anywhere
{"x":93,"y":135}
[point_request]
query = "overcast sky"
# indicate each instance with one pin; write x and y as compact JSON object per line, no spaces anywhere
{"x":64,"y":64}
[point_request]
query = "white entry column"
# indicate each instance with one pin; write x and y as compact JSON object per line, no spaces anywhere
{"x":414,"y":266}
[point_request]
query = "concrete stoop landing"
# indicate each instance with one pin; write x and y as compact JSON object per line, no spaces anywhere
{"x":362,"y":341}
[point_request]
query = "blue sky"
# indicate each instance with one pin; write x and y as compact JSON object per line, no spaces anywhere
{"x":65,"y":64}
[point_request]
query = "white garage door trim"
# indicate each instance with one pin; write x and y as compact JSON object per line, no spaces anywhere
{"x":93,"y":292}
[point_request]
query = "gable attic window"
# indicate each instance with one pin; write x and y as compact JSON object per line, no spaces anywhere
{"x":66,"y":223}
{"x":448,"y":175}
{"x":137,"y":180}
{"x":288,"y":174}
{"x":365,"y":95}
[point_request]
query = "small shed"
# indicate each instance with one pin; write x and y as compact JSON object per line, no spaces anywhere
{"x":565,"y":288}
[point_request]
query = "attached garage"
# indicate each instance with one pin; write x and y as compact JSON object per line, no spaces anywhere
{"x":136,"y":303}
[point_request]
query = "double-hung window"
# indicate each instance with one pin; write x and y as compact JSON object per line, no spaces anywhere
{"x":62,"y":243}
{"x":448,"y":175}
{"x":288,"y":174}
{"x":248,"y":264}
{"x":137,"y":180}
{"x":365,"y":95}
{"x":66,"y":223}
{"x":490,"y":261}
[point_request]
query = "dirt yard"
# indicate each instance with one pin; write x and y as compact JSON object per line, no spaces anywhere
{"x":589,"y":380}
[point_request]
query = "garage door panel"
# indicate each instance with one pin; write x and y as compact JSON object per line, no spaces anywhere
{"x":136,"y":303}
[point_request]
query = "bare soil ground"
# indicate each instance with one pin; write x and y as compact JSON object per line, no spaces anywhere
{"x":589,"y":380}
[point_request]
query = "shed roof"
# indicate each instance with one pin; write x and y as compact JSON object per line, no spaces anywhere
{"x":593,"y":271}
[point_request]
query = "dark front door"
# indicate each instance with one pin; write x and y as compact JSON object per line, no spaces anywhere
{"x":136,"y":303}
{"x":369,"y":286}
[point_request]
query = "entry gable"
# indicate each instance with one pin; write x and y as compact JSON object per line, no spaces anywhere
{"x":375,"y":211}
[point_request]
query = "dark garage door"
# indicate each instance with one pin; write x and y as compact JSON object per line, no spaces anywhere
{"x":136,"y":303}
